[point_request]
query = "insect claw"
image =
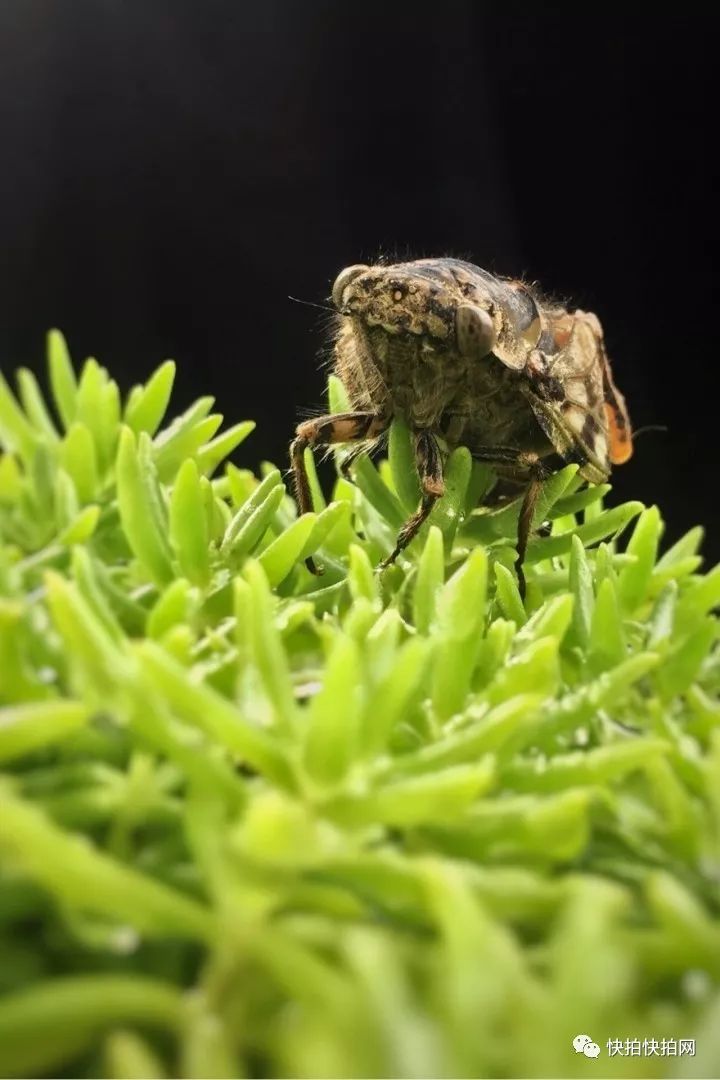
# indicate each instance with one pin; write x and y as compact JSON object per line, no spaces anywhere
{"x":522,"y":584}
{"x":389,"y":560}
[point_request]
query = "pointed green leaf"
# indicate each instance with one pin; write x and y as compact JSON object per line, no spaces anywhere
{"x":551,"y":620}
{"x":429,"y":579}
{"x":246,"y":538}
{"x":34,"y":405}
{"x":393,"y":697}
{"x":333,"y":723}
{"x":437,"y":796}
{"x":188,"y":524}
{"x":362,"y":579}
{"x":378,"y":494}
{"x":607,"y":646}
{"x":206,"y":709}
{"x":662,"y":618}
{"x":81,"y":528}
{"x":680,"y":667}
{"x":62,"y":378}
{"x":267,"y":648}
{"x":461,"y":602}
{"x":580,"y":579}
{"x":401,"y":455}
{"x":338,"y":400}
{"x":508,"y":595}
{"x":138,"y":511}
{"x":448,"y":512}
{"x":579,"y":500}
{"x":248,"y":508}
{"x":643,"y":545}
{"x":79,"y":458}
{"x":16,"y":432}
{"x":609,"y":523}
{"x":57,"y":1020}
{"x":25,"y":728}
{"x":172,"y":608}
{"x":89,"y":879}
{"x":598,"y":766}
{"x":148,"y":404}
{"x":279,"y":558}
{"x":213,"y":453}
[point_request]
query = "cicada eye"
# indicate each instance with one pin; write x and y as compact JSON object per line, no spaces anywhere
{"x":474,"y":330}
{"x":344,"y":278}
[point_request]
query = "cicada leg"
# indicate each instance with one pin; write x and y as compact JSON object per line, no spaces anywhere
{"x":528,"y":464}
{"x":429,"y":466}
{"x":326,"y":431}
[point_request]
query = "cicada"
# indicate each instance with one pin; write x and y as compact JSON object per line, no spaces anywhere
{"x":468,"y":358}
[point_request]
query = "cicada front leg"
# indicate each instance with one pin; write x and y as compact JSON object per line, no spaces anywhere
{"x":327,"y":431}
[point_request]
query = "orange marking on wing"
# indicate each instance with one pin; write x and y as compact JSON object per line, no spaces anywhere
{"x":621,"y":446}
{"x":562,"y":330}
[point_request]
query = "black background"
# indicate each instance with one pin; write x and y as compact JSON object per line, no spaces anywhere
{"x":171,"y":172}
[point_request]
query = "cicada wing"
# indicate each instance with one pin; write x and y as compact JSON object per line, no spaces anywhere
{"x":574,"y":447}
{"x":618,"y":420}
{"x":620,"y":447}
{"x":576,"y":422}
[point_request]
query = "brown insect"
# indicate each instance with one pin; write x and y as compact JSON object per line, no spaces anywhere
{"x":475,"y":360}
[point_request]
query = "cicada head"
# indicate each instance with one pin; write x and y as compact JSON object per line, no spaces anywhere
{"x":448,"y":302}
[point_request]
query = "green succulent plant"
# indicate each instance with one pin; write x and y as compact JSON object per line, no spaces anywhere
{"x":259,"y":823}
